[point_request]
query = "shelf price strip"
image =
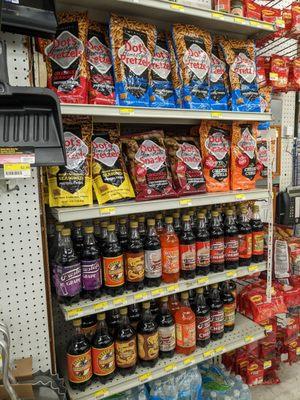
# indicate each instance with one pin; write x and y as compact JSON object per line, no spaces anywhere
{"x":101,"y":393}
{"x":145,"y":377}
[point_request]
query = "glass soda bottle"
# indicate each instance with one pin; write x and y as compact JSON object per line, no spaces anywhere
{"x":103,"y":352}
{"x":216,"y":314}
{"x":89,"y":326}
{"x":153,"y":259}
{"x":142,"y":227}
{"x":202,"y":246}
{"x":173,"y":303}
{"x":53,"y":252}
{"x":123,"y":234}
{"x":113,"y":320}
{"x":67,"y":277}
{"x":185,"y":323}
{"x":229,"y":307}
{"x":202,"y":313}
{"x":147,"y":335}
{"x":166,"y":330}
{"x":257,"y":236}
{"x":192,"y":298}
{"x":103,"y":236}
{"x":191,"y":214}
{"x":134,"y":315}
{"x":125,"y":345}
{"x":170,"y":253}
{"x":77,"y":238}
{"x":216,"y":244}
{"x":113,"y":265}
{"x":91,"y":272}
{"x":231,"y":239}
{"x":177,"y":223}
{"x":154,"y":308}
{"x":79,"y":359}
{"x":159,"y":226}
{"x":134,"y":259}
{"x":187,"y":250}
{"x":245,"y":239}
{"x":97,"y":231}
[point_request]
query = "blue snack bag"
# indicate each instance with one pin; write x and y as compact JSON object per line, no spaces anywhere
{"x":219,"y":88}
{"x":132,"y":47}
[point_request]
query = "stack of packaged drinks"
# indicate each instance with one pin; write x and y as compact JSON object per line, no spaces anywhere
{"x":115,"y":255}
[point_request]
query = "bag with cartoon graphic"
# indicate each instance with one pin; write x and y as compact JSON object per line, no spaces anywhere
{"x":185,"y":161}
{"x":147,"y":159}
{"x":71,"y":185}
{"x":215,"y":150}
{"x":219,"y":88}
{"x":132,"y":46}
{"x":110,"y":178}
{"x":243,"y":155}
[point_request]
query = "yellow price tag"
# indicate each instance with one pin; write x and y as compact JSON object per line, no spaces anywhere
{"x":101,"y":393}
{"x":217,"y":15}
{"x":253,"y":268}
{"x":240,"y":196}
{"x":145,"y":377}
{"x":170,"y":367}
{"x":267,"y":364}
{"x":273,"y":76}
{"x":120,"y":300}
{"x":185,"y":202}
{"x":249,"y":338}
{"x":124,"y":110}
{"x":231,"y":274}
{"x":140,"y":296}
{"x":177,"y":7}
{"x":269,"y":328}
{"x":158,"y":291}
{"x":202,"y":281}
{"x":209,"y":353}
{"x":298,"y":351}
{"x":267,"y":26}
{"x":16,"y":171}
{"x":239,"y":20}
{"x":188,"y":360}
{"x":280,"y":23}
{"x":75,"y":312}
{"x":107,"y":210}
{"x":220,"y":349}
{"x":101,"y":305}
{"x":171,"y":288}
{"x":216,"y":114}
{"x":254,"y":23}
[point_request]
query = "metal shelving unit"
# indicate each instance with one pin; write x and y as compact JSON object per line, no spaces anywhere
{"x":245,"y":332}
{"x":105,"y":303}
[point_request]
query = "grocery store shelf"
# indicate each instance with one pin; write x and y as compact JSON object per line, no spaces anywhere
{"x":88,"y":307}
{"x":245,"y":332}
{"x":159,"y":115}
{"x":67,"y":214}
{"x":180,"y":11}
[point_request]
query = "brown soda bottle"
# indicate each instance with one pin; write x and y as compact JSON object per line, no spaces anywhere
{"x":79,"y":359}
{"x":170,"y":253}
{"x":166,"y":330}
{"x":192,"y":298}
{"x":77,"y":238}
{"x":173,"y":303}
{"x":187,"y":250}
{"x":245,"y":239}
{"x":113,"y":264}
{"x":185,"y":323}
{"x":257,"y":236}
{"x":134,"y":260}
{"x":147,"y":334}
{"x":103,"y":352}
{"x":134,"y":315}
{"x":202,"y":247}
{"x":159,"y":226}
{"x":123,"y":234}
{"x":229,"y":307}
{"x":153,"y":259}
{"x":177,"y":223}
{"x":216,"y":244}
{"x":202,"y":313}
{"x":142,"y":227}
{"x":191,"y":214}
{"x":154,"y":308}
{"x":97,"y":231}
{"x":113,"y":319}
{"x":216,"y":314}
{"x":125,"y":345}
{"x":89,"y":326}
{"x":103,"y":236}
{"x":231,"y":239}
{"x":232,"y":287}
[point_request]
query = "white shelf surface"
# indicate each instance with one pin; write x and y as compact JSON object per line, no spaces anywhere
{"x":67,"y":214}
{"x":245,"y":332}
{"x":105,"y":303}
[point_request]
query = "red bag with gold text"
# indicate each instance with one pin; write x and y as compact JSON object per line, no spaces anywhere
{"x":295,"y":28}
{"x":279,"y":72}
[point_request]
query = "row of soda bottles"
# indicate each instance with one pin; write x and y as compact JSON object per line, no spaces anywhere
{"x":110,"y":257}
{"x":120,"y":342}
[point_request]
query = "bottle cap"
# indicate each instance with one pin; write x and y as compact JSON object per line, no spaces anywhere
{"x":215,"y":286}
{"x":215,"y":214}
{"x":123,"y":311}
{"x":164,"y":299}
{"x":244,"y":210}
{"x":199,"y":290}
{"x":101,"y":317}
{"x":123,"y":221}
{"x":88,"y":229}
{"x":255,"y":208}
{"x":158,"y":216}
{"x":186,"y":218}
{"x":169,"y":220}
{"x":146,"y":305}
{"x":59,"y":227}
{"x":204,"y":210}
{"x":176,"y":215}
{"x":77,"y":224}
{"x":141,"y":219}
{"x":150,"y":222}
{"x":111,"y":227}
{"x":96,"y":222}
{"x":229,"y":213}
{"x":66,"y":232}
{"x":201,"y":215}
{"x":104,"y":224}
{"x":77,"y":322}
{"x":190,"y":212}
{"x":132,"y":217}
{"x":133,"y":224}
{"x":184,"y":295}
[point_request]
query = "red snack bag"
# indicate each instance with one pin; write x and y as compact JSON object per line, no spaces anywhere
{"x":255,"y":372}
{"x":252,"y":10}
{"x":146,"y":155}
{"x":295,"y":28}
{"x":270,"y":14}
{"x":279,"y":72}
{"x":222,"y":5}
{"x":262,"y":69}
{"x":241,"y":362}
{"x":294,"y":75}
{"x":287,"y":17}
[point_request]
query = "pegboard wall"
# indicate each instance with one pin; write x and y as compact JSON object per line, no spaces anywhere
{"x":22,"y":291}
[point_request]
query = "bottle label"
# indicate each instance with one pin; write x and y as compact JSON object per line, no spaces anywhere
{"x":135,"y":266}
{"x":186,"y":335}
{"x":203,"y":327}
{"x":153,"y":265}
{"x":126,"y":353}
{"x":67,"y":280}
{"x":170,"y":260}
{"x":229,"y":314}
{"x":103,"y":360}
{"x":91,"y":274}
{"x":113,"y":271}
{"x":232,"y":248}
{"x":245,"y":245}
{"x":89,"y":331}
{"x":203,"y":254}
{"x":217,"y":321}
{"x":148,"y":346}
{"x":217,"y":251}
{"x":166,"y":338}
{"x":258,"y":243}
{"x":188,"y":257}
{"x":80,"y":367}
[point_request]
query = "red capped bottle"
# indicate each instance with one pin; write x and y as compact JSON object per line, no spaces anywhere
{"x":166,"y":330}
{"x":216,"y":314}
{"x":257,"y":236}
{"x":187,"y":250}
{"x":216,"y":244}
{"x":153,"y":259}
{"x":202,"y":247}
{"x":170,"y":253}
{"x":202,"y":313}
{"x":231,"y":239}
{"x":185,"y":324}
{"x":147,"y":335}
{"x":245,"y":239}
{"x":229,"y":307}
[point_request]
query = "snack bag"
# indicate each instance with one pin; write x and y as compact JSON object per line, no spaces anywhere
{"x":262,"y":157}
{"x":295,"y":26}
{"x":240,"y":57}
{"x":101,"y":89}
{"x":263,"y":69}
{"x":185,"y":161}
{"x":71,"y":185}
{"x":265,"y":98}
{"x":65,"y":58}
{"x":193,"y":48}
{"x":132,"y":46}
{"x":252,"y":10}
{"x":294,"y":75}
{"x":243,"y":155}
{"x":176,"y":74}
{"x":110,"y":178}
{"x":270,"y":14}
{"x":215,"y":150}
{"x":161,"y":91}
{"x":279,"y":72}
{"x":219,"y":92}
{"x":147,"y":159}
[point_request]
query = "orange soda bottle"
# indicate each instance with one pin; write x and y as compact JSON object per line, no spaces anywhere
{"x":170,"y":253}
{"x":185,"y":323}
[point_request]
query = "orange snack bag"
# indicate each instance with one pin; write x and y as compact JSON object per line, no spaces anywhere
{"x":243,"y":155}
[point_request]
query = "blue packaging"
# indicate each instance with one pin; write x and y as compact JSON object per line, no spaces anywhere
{"x":219,"y":89}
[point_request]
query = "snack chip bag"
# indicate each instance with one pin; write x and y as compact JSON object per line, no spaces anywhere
{"x":295,"y":25}
{"x":110,"y":178}
{"x":186,"y":164}
{"x":279,"y":72}
{"x":243,"y":155}
{"x":176,"y":74}
{"x":132,"y":46}
{"x":193,"y":48}
{"x":71,"y":185}
{"x":219,"y":90}
{"x":252,"y":10}
{"x":147,"y":158}
{"x":270,"y":14}
{"x":101,"y":89}
{"x":262,"y":157}
{"x":240,"y":57}
{"x":215,"y":150}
